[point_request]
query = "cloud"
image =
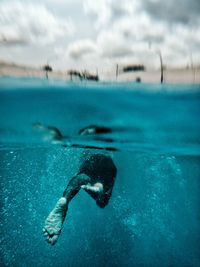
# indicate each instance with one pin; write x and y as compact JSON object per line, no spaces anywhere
{"x":105,"y":12}
{"x":108,"y":31}
{"x":134,"y":30}
{"x":12,"y":41}
{"x":99,"y":11}
{"x":179,"y":11}
{"x":33,"y":23}
{"x":107,"y":45}
{"x":78,"y":49}
{"x":141,"y":28}
{"x":112,"y":45}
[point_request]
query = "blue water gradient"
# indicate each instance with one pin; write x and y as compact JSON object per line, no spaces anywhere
{"x":153,"y":218}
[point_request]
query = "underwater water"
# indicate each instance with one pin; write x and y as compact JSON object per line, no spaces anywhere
{"x":153,"y":217}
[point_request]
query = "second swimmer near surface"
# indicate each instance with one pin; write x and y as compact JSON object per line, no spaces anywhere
{"x":53,"y":135}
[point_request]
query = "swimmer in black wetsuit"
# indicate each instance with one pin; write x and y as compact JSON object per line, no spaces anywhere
{"x":96,"y":176}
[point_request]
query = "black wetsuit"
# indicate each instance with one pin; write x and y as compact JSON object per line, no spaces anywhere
{"x":97,"y":168}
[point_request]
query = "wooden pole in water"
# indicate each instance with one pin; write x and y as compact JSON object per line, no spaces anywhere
{"x":158,"y":52}
{"x":161,"y":66}
{"x":192,"y":68}
{"x":117,"y":71}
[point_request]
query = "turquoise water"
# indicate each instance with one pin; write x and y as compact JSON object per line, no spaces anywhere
{"x":153,"y":218}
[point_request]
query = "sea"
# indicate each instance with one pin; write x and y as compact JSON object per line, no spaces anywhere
{"x":152,"y":133}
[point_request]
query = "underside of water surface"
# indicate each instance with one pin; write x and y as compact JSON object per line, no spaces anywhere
{"x":152,"y":134}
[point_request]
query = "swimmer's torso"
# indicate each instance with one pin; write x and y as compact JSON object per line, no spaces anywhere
{"x":99,"y":168}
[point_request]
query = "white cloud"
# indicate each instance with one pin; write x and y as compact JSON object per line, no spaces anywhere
{"x":110,"y":31}
{"x":113,"y":45}
{"x":108,"y":45}
{"x":80,"y":48}
{"x":99,"y":9}
{"x":108,"y":11}
{"x":31,"y":22}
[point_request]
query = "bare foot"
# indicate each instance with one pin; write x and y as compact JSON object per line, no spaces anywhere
{"x":53,"y":223}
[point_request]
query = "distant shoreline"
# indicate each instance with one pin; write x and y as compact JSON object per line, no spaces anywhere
{"x":176,"y":76}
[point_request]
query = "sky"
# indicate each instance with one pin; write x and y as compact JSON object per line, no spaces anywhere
{"x":91,"y":34}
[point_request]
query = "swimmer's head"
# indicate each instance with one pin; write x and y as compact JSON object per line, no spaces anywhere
{"x":38,"y":125}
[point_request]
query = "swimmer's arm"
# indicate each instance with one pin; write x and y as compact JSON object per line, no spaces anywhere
{"x":96,"y":188}
{"x":97,"y":191}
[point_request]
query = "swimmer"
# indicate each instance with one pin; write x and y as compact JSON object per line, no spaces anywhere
{"x":49,"y":133}
{"x":94,"y":129}
{"x":96,"y":176}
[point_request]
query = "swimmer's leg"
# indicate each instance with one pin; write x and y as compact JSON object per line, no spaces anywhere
{"x":53,"y":223}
